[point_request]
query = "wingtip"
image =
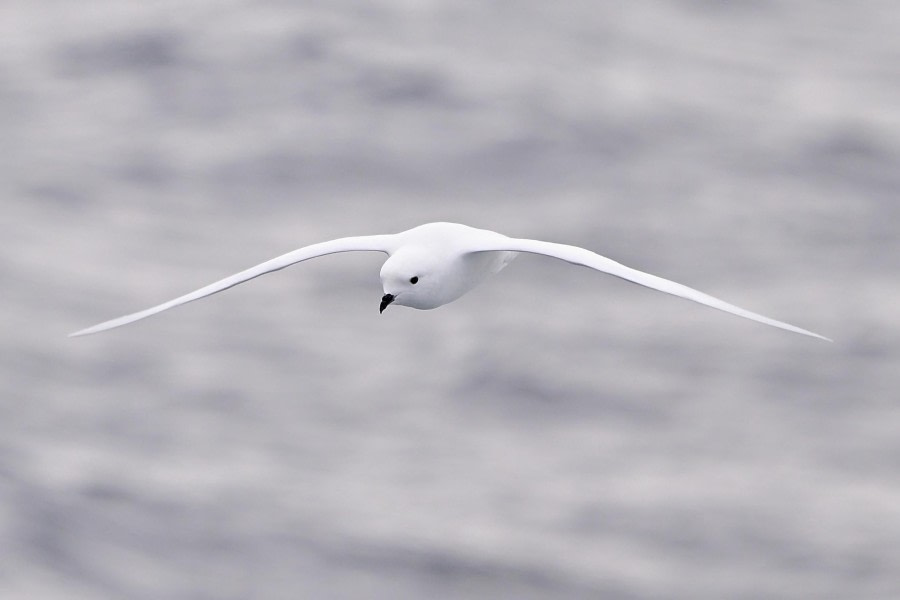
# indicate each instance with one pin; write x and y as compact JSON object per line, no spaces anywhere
{"x":815,"y":335}
{"x":88,"y":330}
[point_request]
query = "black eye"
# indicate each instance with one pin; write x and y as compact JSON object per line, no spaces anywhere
{"x":414,"y":280}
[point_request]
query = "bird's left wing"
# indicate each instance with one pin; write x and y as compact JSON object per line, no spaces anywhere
{"x":581,"y":256}
{"x":372,"y":243}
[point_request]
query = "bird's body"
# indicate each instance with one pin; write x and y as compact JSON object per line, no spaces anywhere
{"x":436,"y":263}
{"x":445,"y":252}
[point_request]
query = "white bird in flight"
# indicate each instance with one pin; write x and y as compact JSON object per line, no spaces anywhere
{"x":436,"y":263}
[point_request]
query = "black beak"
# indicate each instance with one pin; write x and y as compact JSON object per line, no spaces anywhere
{"x":385,"y":300}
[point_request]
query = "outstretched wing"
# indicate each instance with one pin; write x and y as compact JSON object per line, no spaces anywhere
{"x":373,"y":243}
{"x":580,"y":256}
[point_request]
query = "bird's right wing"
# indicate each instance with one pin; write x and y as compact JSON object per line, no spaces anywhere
{"x":372,"y":243}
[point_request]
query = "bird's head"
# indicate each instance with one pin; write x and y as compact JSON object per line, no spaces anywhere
{"x":410,"y":279}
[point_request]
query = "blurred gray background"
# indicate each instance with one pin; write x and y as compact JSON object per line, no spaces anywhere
{"x":555,"y":434}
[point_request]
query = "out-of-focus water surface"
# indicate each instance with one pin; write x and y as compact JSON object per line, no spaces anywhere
{"x":556,"y":433}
